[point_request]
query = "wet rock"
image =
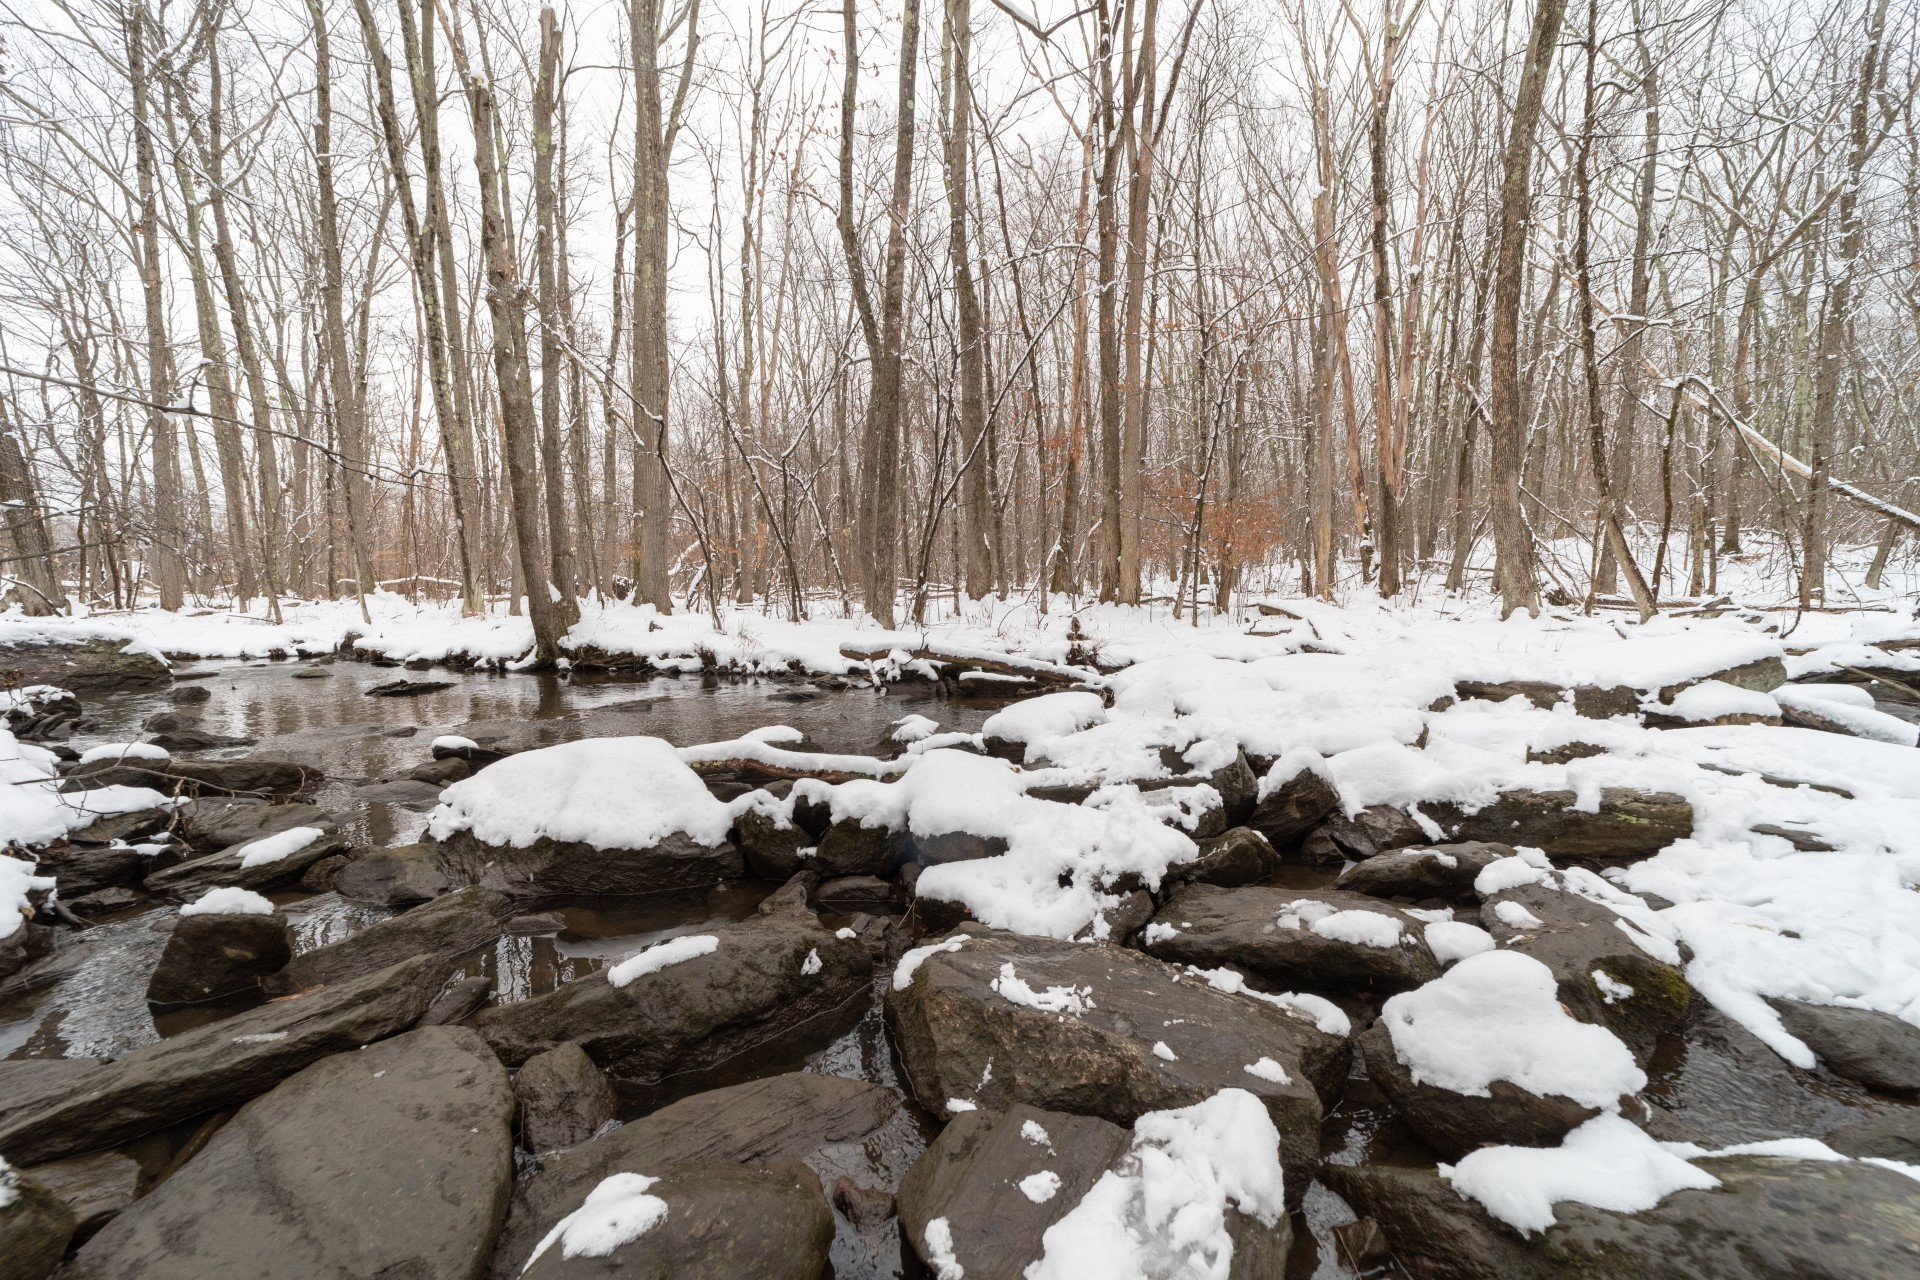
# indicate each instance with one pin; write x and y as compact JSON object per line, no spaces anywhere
{"x":396,"y":877}
{"x":213,"y":955}
{"x":182,"y":695}
{"x":1285,"y":935}
{"x":563,"y":1099}
{"x":1455,"y":1123}
{"x":1289,"y":808}
{"x":553,"y":867}
{"x":192,"y":737}
{"x":101,"y":901}
{"x":458,"y":1002}
{"x":1893,"y":1136}
{"x":218,"y":1065}
{"x":864,"y":1206}
{"x":85,"y":664}
{"x":218,"y":823}
{"x":318,"y":878}
{"x":1770,"y":1219}
{"x":216,"y":870}
{"x":81,"y":869}
{"x":34,"y":1230}
{"x":26,"y":1083}
{"x":441,"y":772}
{"x":94,"y":1187}
{"x":858,"y":893}
{"x":1090,"y":1049}
{"x":773,"y":849}
{"x":1642,"y":997}
{"x":1239,"y":855}
{"x":1627,"y":825}
{"x":1434,"y":871}
{"x":313,"y":673}
{"x":971,"y":1177}
{"x":767,"y":976}
{"x":1871,"y":1048}
{"x":252,"y":777}
{"x":408,"y":688}
{"x":723,"y":1221}
{"x":123,"y":828}
{"x":535,"y":924}
{"x":448,"y":927}
{"x":792,"y":1116}
{"x":28,"y":943}
{"x":1376,"y":829}
{"x":849,"y":849}
{"x":396,"y":1161}
{"x":42,"y":712}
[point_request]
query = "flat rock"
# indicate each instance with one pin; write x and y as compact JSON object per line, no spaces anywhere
{"x":210,"y":956}
{"x":83,"y":869}
{"x":1770,"y":1219}
{"x":34,"y":1231}
{"x":723,"y":1222}
{"x":1237,"y":856}
{"x":960,"y":1038}
{"x":564,"y":1099}
{"x":85,"y":664}
{"x":1433,"y":871}
{"x":858,"y":893}
{"x":1276,"y":933}
{"x":555,"y":867}
{"x":768,"y":975}
{"x":123,"y":828}
{"x":214,"y":823}
{"x":192,"y":737}
{"x":395,"y":1161}
{"x":1871,"y":1048}
{"x":396,"y":877}
{"x":793,"y":1116}
{"x":1893,"y":1136}
{"x":971,"y":1176}
{"x":218,"y":870}
{"x":408,"y":688}
{"x":26,"y":1083}
{"x":218,"y":1065}
{"x":94,"y":1187}
{"x":1627,"y":824}
{"x":449,"y":927}
{"x":250,"y":777}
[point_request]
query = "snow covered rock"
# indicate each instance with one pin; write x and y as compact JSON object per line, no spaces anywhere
{"x":794,"y":1116}
{"x":1625,"y":824}
{"x":268,"y":862}
{"x":96,"y":664}
{"x":1433,"y":871}
{"x":449,"y":926}
{"x":1713,"y":702}
{"x":599,"y":815}
{"x":1293,"y":798}
{"x":397,"y":1160}
{"x":218,"y":1065}
{"x":34,"y":1227}
{"x":1768,"y":1219}
{"x":987,"y":1177}
{"x":1237,"y":856}
{"x":694,"y":1008}
{"x":1003,"y":1019}
{"x":213,"y":823}
{"x":564,"y":1099}
{"x":397,"y":877}
{"x":1821,"y":707}
{"x":219,"y":953}
{"x":713,"y":1221}
{"x":1871,"y":1048}
{"x":250,"y":777}
{"x":1014,"y":732}
{"x":1485,"y":1054}
{"x":1321,"y":939}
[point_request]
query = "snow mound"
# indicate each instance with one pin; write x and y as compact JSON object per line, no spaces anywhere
{"x":1452,"y":940}
{"x":1606,"y":1162}
{"x":610,"y":793}
{"x":277,"y":847}
{"x":119,"y":751}
{"x":616,"y":1212}
{"x":17,"y":879}
{"x":1051,"y":715}
{"x":229,"y":901}
{"x":662,"y":954}
{"x":1716,"y":699}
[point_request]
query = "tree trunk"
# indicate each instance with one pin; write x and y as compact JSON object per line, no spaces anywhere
{"x":546,"y":201}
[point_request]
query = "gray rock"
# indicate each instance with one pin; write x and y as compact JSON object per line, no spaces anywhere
{"x":849,"y":849}
{"x":1893,"y":1136}
{"x":218,"y":1065}
{"x":82,"y":869}
{"x":563,"y":1099}
{"x":724,"y":1222}
{"x":26,"y":1083}
{"x":251,"y":777}
{"x":216,"y":870}
{"x":86,"y":664}
{"x":771,"y":848}
{"x":448,"y":927}
{"x":28,"y":943}
{"x":460,"y":1001}
{"x":789,"y":1116}
{"x":441,"y":772}
{"x":1626,"y":826}
{"x":1294,"y":807}
{"x":1434,"y":871}
{"x":1239,"y":855}
{"x":175,"y":736}
{"x":396,"y":877}
{"x":1871,"y":1048}
{"x":751,"y":989}
{"x":396,"y":1161}
{"x":950,"y":1023}
{"x":1376,"y":829}
{"x":858,"y":893}
{"x":1597,"y":702}
{"x":211,"y":956}
{"x":555,"y":867}
{"x":123,"y":828}
{"x":34,"y":1231}
{"x":1241,"y":927}
{"x":95,"y":1187}
{"x":182,"y":695}
{"x":216,"y":823}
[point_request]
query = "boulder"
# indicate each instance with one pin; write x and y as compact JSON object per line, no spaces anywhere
{"x":1323,"y":939}
{"x":563,"y":1099}
{"x":94,"y":1187}
{"x":41,"y":712}
{"x":1596,"y":702}
{"x":1234,"y":783}
{"x":218,"y":1065}
{"x":460,"y":1001}
{"x":396,"y":877}
{"x":1374,"y":830}
{"x":449,"y":927}
{"x":849,"y":849}
{"x":182,"y":695}
{"x":720,"y":1221}
{"x":774,"y":850}
{"x":1237,"y":856}
{"x":1770,"y":1219}
{"x":1290,"y":807}
{"x":27,"y":943}
{"x":557,"y":867}
{"x":213,"y":955}
{"x":1871,"y":1048}
{"x":764,"y":977}
{"x":84,"y":664}
{"x":215,"y":823}
{"x":1434,"y":871}
{"x":396,"y":1161}
{"x":34,"y":1228}
{"x":1627,"y":825}
{"x":1104,"y":1031}
{"x":971,"y":1177}
{"x":175,"y":736}
{"x":217,"y":870}
{"x":793,"y":1116}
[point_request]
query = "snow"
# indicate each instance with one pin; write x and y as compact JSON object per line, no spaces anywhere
{"x":1515,"y":916}
{"x":811,"y":965}
{"x":1497,"y":1016}
{"x":914,"y":957}
{"x":1510,"y":873}
{"x":1606,"y":1163}
{"x":453,"y":743}
{"x":1062,"y":1000}
{"x":1033,"y":1132}
{"x":229,"y":902}
{"x":1040,"y":1187}
{"x":957,"y":1105}
{"x":1359,"y":928}
{"x":938,"y":1238}
{"x":1157,"y":932}
{"x":913,"y":728}
{"x":1268,"y":1069}
{"x":610,"y":793}
{"x":1163,"y":1052}
{"x":1861,"y":720}
{"x":1162,"y":1210}
{"x":1716,"y":699}
{"x":33,"y":811}
{"x":1452,"y":940}
{"x":1034,"y":721}
{"x":120,"y":751}
{"x":1612,"y":990}
{"x":9,"y":1184}
{"x":1322,"y":1012}
{"x":660,"y":955}
{"x":17,"y":879}
{"x":277,"y":847}
{"x":617,"y":1211}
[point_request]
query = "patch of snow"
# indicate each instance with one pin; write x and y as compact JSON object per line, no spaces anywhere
{"x":120,"y":751}
{"x":662,"y":954}
{"x":1716,"y":699}
{"x":616,"y":1212}
{"x":1162,"y":1052}
{"x":1515,"y":916}
{"x":845,"y":935}
{"x":957,"y":1105}
{"x":1862,"y":721}
{"x":1612,"y":990}
{"x":229,"y":902}
{"x":1157,"y":932}
{"x":1040,"y":1187}
{"x":911,"y":961}
{"x":1064,"y":1000}
{"x":811,"y":965}
{"x":1359,"y":928}
{"x":1607,"y":1163}
{"x":938,"y":1237}
{"x":1507,"y":873}
{"x":453,"y":742}
{"x":277,"y":847}
{"x":1032,"y":1131}
{"x":1268,"y":1069}
{"x":17,"y":879}
{"x":1452,"y":940}
{"x":1034,"y":721}
{"x":1322,"y":1012}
